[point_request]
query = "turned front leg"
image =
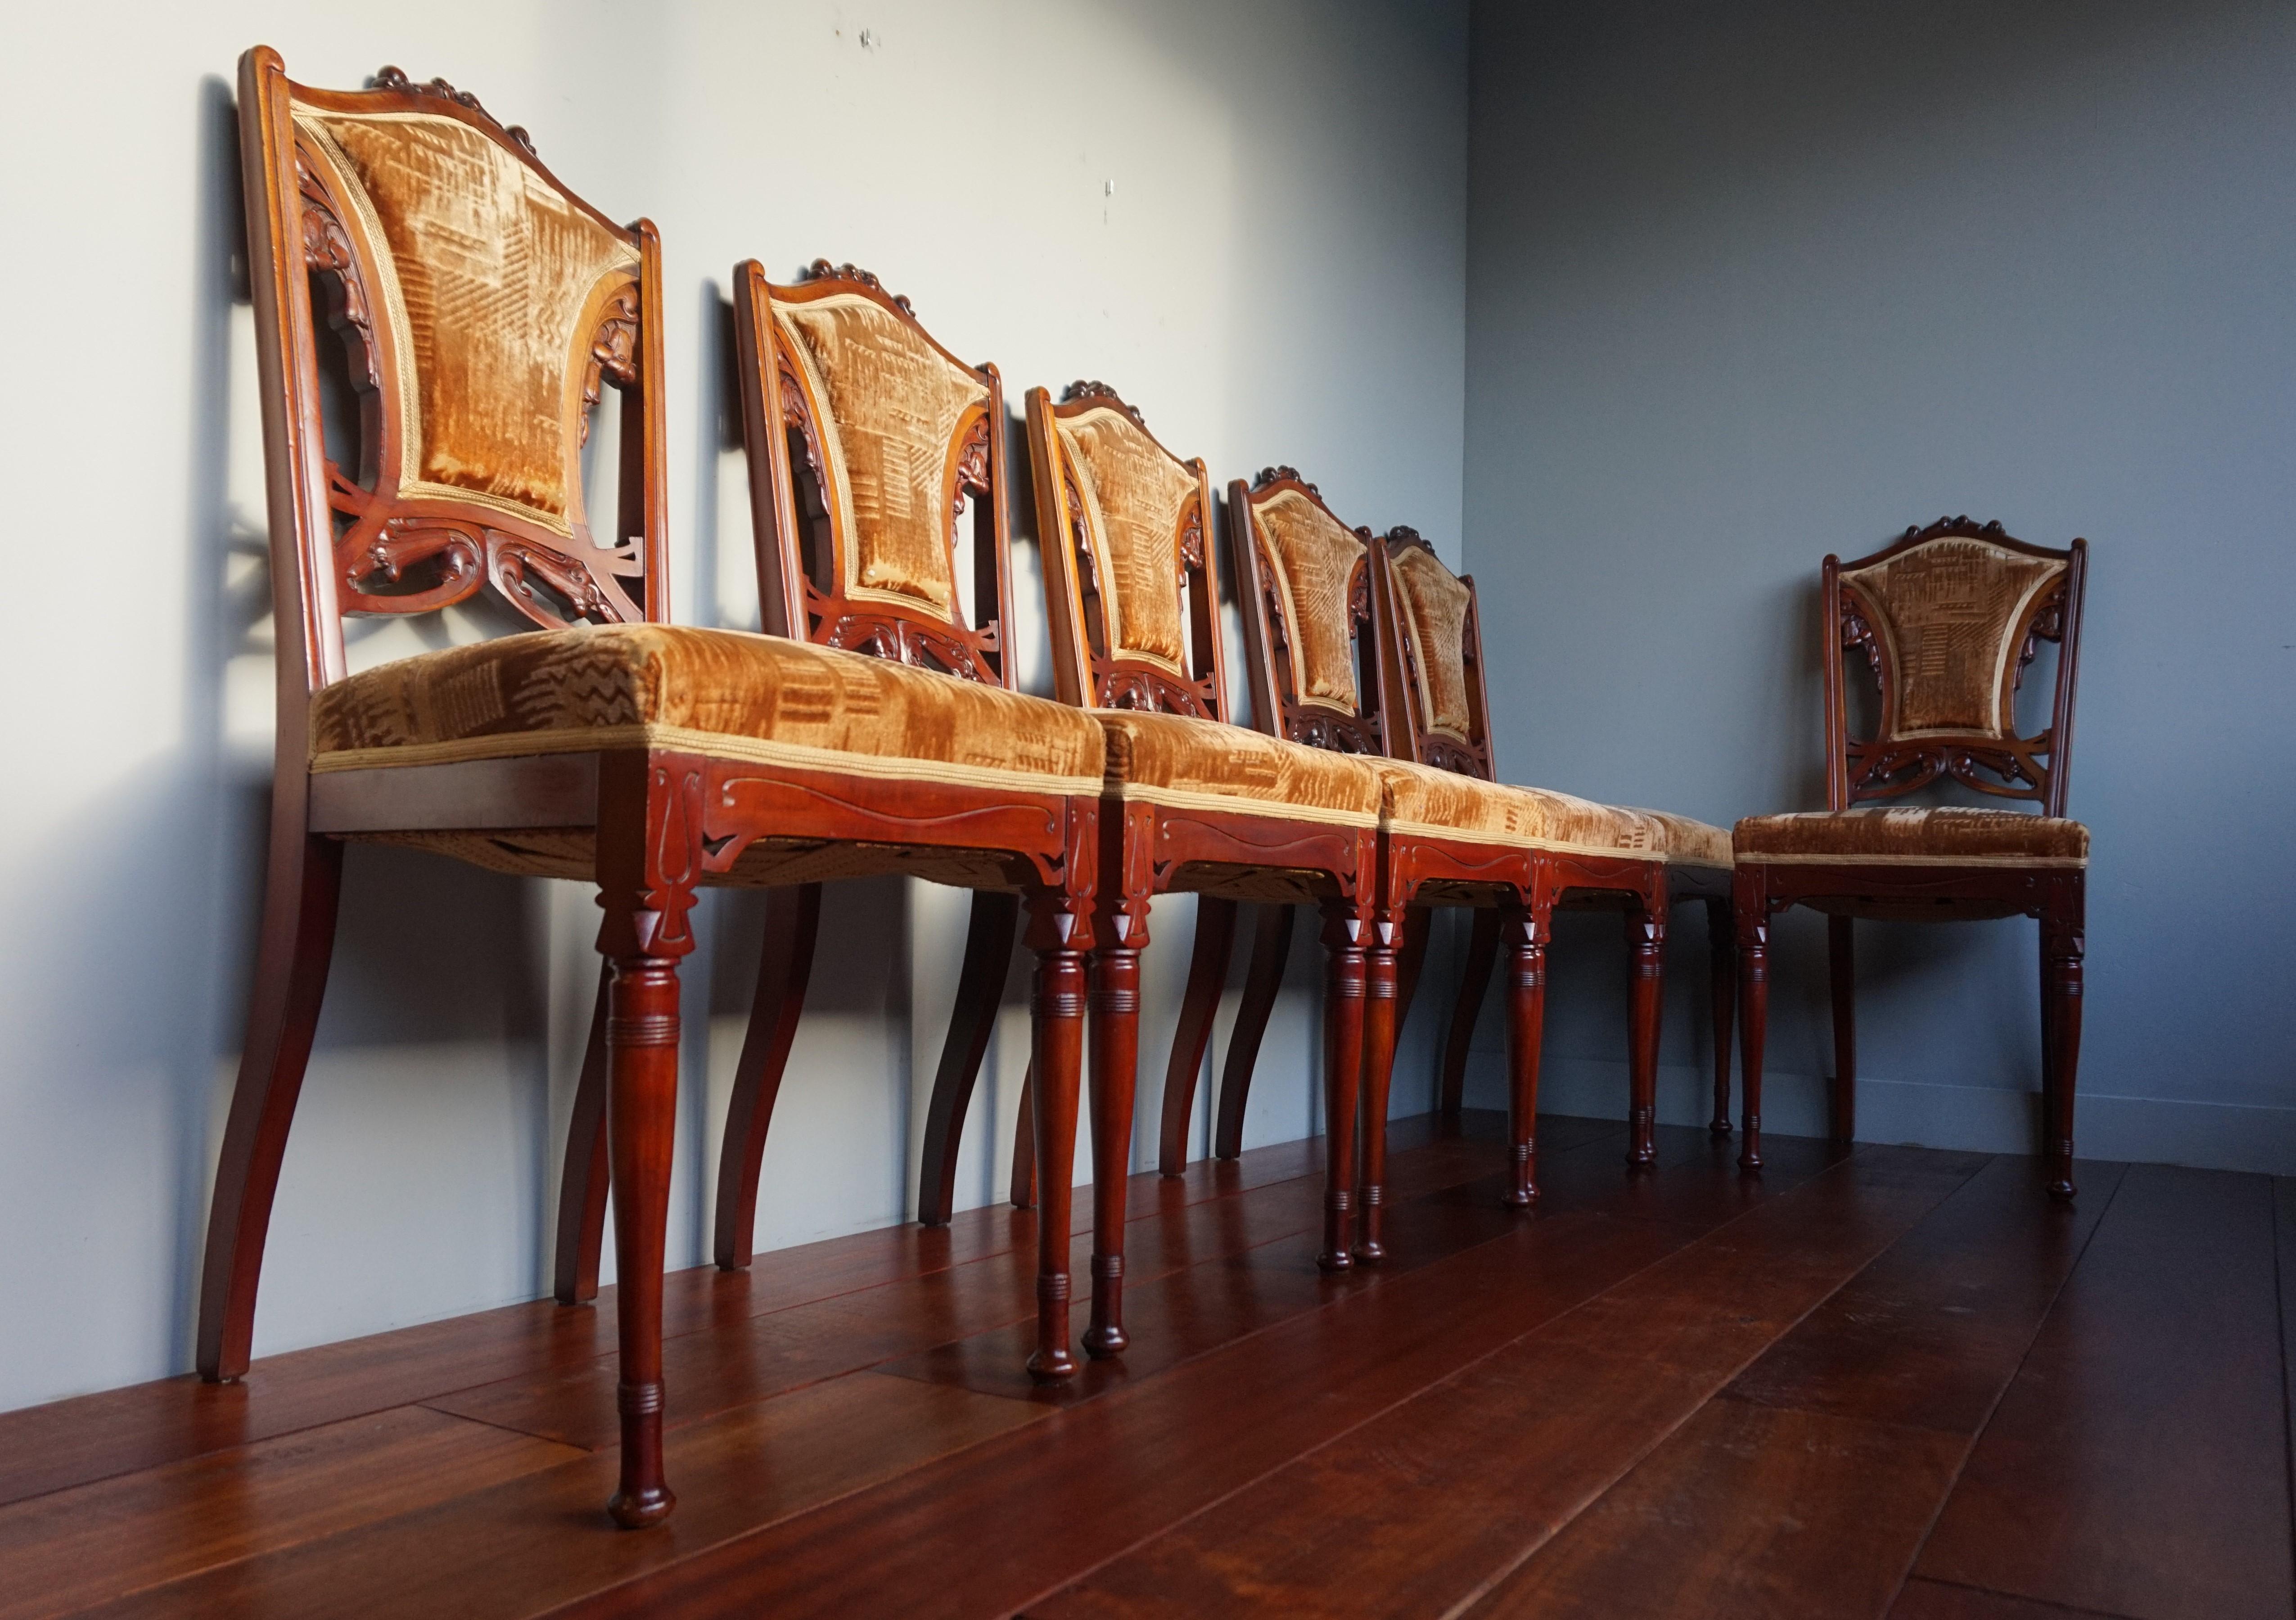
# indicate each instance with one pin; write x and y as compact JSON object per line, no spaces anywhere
{"x":1751,"y":902}
{"x":1057,"y":1016}
{"x":1646,"y":985}
{"x":1524,"y":930}
{"x":2062,"y":947}
{"x":1115,"y":1065}
{"x":1345,"y":928}
{"x":1379,"y":1014}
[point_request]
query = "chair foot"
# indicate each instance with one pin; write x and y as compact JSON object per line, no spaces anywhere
{"x":1052,"y":1366}
{"x":643,"y":1509}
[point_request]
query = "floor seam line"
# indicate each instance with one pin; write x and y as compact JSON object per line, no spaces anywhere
{"x":2001,"y":1395}
{"x":1492,"y":1582}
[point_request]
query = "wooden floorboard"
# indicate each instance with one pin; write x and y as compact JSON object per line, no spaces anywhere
{"x":68,"y":1443}
{"x":2138,"y":1464}
{"x":1935,"y":1600}
{"x":1678,"y":1392}
{"x":1419,"y":1510}
{"x":1032,"y":1509}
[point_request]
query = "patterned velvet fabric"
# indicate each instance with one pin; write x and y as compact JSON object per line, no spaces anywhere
{"x":1424,"y":801}
{"x":1194,"y":764}
{"x":893,"y":405}
{"x":491,"y":282}
{"x":1917,"y":835}
{"x":1314,"y":557}
{"x":1435,"y":609}
{"x":1687,"y":843}
{"x":1947,"y":612}
{"x":722,"y":692}
{"x":1135,"y":498}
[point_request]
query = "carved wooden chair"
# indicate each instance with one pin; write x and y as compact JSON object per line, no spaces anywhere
{"x":479,"y":307}
{"x":1454,"y":836}
{"x":1432,"y":638}
{"x":866,"y":439}
{"x":1948,"y":617}
{"x":1194,"y":801}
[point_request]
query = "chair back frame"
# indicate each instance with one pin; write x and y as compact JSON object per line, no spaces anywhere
{"x":1402,"y":664}
{"x":1279,"y":703}
{"x":368,"y":540}
{"x":1088,"y":669}
{"x":803,"y":546}
{"x":2003,"y":764}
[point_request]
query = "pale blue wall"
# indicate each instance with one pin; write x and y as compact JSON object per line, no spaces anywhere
{"x":1753,"y":282}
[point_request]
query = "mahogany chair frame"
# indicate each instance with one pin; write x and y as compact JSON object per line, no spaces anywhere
{"x":2035,"y":769}
{"x":664,"y":821}
{"x":1149,"y":848}
{"x":801,"y":558}
{"x":1521,"y":886}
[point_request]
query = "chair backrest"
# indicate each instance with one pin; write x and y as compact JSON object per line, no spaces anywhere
{"x":481,"y":307}
{"x":1132,"y":586}
{"x":1306,"y":581}
{"x":1948,"y":617}
{"x":866,"y":439}
{"x":1431,"y":656}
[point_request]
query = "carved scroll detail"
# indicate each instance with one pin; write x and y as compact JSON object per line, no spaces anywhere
{"x":614,"y":351}
{"x":821,"y":269}
{"x":388,"y":78}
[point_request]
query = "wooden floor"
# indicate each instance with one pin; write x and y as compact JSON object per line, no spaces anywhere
{"x":1897,"y":1382}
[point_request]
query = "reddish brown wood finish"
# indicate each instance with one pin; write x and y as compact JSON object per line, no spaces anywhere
{"x":2010,"y":766}
{"x":1524,"y":885}
{"x":1208,"y":961}
{"x":403,"y":554}
{"x":664,"y":822}
{"x":1149,"y":848}
{"x":1507,"y":1410}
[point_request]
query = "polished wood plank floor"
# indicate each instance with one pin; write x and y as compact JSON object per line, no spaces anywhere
{"x":1893,"y":1382}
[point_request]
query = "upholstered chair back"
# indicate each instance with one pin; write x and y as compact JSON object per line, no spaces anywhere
{"x":477,"y":308}
{"x":1948,"y":617}
{"x":1307,"y":614}
{"x":1133,"y":586}
{"x":868,"y":440}
{"x":1430,"y":650}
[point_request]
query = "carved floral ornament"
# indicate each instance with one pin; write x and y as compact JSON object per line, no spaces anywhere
{"x":388,"y":78}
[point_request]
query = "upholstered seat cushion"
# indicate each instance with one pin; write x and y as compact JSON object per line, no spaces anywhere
{"x":1428,"y":802}
{"x":1687,"y":843}
{"x":1915,"y":835}
{"x":1199,"y":764}
{"x":765,"y":699}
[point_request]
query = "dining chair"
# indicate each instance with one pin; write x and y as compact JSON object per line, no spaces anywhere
{"x":1436,"y":655}
{"x":474,"y":310}
{"x":1948,"y":618}
{"x":1449,"y":821}
{"x":1193,"y":801}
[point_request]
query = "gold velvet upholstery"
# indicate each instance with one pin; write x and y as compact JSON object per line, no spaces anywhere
{"x":491,"y":286}
{"x":1313,"y":556}
{"x":893,"y":408}
{"x":1422,"y":801}
{"x":1913,"y":835}
{"x":1435,"y":613}
{"x":1948,"y":613}
{"x":1196,"y":764}
{"x":723,"y":693}
{"x":1686,"y":842}
{"x":1135,"y":498}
